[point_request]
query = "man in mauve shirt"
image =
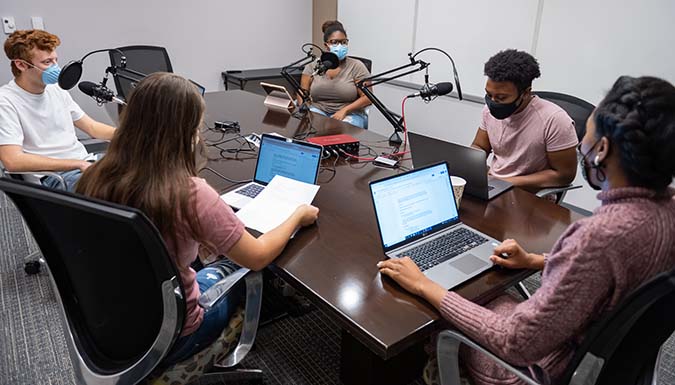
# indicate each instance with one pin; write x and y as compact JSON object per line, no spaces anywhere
{"x":533,"y":140}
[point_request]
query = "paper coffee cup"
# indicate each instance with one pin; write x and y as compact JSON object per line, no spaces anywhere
{"x":458,"y":188}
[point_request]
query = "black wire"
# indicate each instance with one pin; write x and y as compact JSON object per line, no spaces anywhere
{"x":370,"y":151}
{"x":312,"y":130}
{"x":310,"y":50}
{"x":223,"y":141}
{"x":333,"y":169}
{"x":454,"y":68}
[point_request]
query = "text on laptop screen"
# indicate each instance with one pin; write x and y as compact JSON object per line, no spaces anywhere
{"x":289,"y":159}
{"x":413,"y":203}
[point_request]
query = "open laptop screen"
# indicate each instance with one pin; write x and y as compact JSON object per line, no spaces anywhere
{"x":411,"y":205}
{"x":290,"y":158}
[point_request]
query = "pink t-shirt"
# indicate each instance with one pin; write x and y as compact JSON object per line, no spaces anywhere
{"x":521,"y":141}
{"x":221,"y":227}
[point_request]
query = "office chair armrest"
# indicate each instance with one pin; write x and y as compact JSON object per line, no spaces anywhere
{"x":95,"y":146}
{"x":556,"y":190}
{"x":56,"y":175}
{"x":221,"y":288}
{"x":254,"y":289}
{"x":447,"y":349}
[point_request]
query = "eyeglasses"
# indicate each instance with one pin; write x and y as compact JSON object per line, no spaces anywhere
{"x":336,"y":42}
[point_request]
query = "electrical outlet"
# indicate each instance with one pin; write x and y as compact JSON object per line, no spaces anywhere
{"x":37,"y":22}
{"x":8,"y":24}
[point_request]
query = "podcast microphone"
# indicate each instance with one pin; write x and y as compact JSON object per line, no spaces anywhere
{"x":431,"y":90}
{"x":327,"y":61}
{"x":100,"y":93}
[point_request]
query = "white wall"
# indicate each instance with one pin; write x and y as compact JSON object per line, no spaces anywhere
{"x":203,"y":38}
{"x":582,"y":47}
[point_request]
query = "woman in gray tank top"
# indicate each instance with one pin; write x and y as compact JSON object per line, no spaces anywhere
{"x":334,"y":93}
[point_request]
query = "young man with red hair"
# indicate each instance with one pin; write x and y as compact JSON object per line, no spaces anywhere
{"x":37,"y":118}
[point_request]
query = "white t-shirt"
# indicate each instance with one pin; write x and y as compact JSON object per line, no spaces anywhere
{"x":42,"y":124}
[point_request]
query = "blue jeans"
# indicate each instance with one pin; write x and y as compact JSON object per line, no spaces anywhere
{"x":215,"y":319}
{"x":70,"y":177}
{"x":358,"y":119}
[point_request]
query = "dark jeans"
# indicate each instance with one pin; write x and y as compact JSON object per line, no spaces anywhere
{"x":215,"y":319}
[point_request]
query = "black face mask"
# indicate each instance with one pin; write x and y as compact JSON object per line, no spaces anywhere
{"x":503,"y":110}
{"x":587,"y":166}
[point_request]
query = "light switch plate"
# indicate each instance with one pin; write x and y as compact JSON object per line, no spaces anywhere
{"x":37,"y":22}
{"x":8,"y":24}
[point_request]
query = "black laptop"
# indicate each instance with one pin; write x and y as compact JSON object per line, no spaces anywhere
{"x":466,"y":162}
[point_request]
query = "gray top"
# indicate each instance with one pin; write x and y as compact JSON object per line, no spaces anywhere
{"x":331,"y":94}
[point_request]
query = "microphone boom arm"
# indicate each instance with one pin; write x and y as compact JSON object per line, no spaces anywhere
{"x":291,"y":80}
{"x":394,"y":119}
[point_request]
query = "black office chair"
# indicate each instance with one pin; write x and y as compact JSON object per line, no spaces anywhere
{"x":579,"y":110}
{"x":367,"y":62}
{"x":119,"y":292}
{"x":144,"y":59}
{"x":369,"y":66}
{"x":621,"y":348}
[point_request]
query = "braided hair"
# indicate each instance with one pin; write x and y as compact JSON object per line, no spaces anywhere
{"x":638,"y":117}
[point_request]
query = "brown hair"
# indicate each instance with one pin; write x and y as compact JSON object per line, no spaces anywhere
{"x":19,"y":44}
{"x":330,"y":27}
{"x":152,"y":156}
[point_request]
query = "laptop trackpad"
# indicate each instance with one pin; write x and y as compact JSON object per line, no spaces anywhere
{"x":468,"y":263}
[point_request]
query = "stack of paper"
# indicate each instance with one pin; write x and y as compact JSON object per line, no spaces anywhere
{"x":276,"y":203}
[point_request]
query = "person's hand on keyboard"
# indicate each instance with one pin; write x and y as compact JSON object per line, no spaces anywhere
{"x":405,"y":272}
{"x":511,"y":255}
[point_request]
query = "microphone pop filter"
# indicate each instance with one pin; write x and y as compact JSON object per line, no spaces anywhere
{"x":70,"y":75}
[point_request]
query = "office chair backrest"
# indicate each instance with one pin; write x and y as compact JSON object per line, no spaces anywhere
{"x":629,"y":338}
{"x":118,"y":288}
{"x":145,"y":59}
{"x":367,"y":62}
{"x":579,"y":110}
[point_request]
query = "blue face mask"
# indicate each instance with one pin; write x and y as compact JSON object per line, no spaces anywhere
{"x":340,"y":50}
{"x":51,"y":74}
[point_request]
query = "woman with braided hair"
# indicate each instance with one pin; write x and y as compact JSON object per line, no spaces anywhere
{"x":597,"y":262}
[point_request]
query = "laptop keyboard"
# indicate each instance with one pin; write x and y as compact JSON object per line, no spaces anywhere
{"x":441,"y":249}
{"x":251,"y":190}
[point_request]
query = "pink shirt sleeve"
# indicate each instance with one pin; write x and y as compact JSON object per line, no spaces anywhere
{"x":559,"y":132}
{"x":221,"y":227}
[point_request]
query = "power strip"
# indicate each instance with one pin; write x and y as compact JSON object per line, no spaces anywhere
{"x":340,"y":142}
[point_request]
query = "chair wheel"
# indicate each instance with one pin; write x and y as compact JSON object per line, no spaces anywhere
{"x":32,"y":267}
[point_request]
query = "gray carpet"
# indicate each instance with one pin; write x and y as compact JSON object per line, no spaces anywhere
{"x":302,"y":349}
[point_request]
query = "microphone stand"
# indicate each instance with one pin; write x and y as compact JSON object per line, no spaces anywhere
{"x":112,"y":69}
{"x":301,"y":63}
{"x":294,"y":83}
{"x":365,"y":84}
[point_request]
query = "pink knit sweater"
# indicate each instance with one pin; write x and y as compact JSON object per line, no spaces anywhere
{"x":591,"y":268}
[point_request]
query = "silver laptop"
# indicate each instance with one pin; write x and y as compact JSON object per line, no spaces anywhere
{"x":466,"y":162}
{"x":417,"y":217}
{"x":278,"y":155}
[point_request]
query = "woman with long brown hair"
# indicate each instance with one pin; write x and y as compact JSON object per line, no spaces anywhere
{"x":151,"y":165}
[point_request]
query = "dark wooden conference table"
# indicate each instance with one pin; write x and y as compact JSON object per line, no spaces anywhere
{"x":333,"y":263}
